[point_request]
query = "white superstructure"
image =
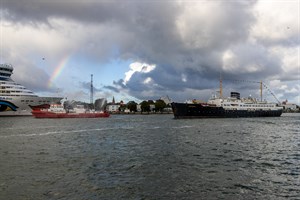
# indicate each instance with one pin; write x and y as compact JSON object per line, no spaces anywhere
{"x":15,"y":98}
{"x":234,"y":102}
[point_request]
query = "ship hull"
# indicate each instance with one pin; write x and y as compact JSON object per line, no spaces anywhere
{"x":20,"y":106}
{"x":47,"y":114}
{"x":187,"y":110}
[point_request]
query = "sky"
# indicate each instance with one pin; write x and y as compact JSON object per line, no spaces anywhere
{"x":146,"y":49}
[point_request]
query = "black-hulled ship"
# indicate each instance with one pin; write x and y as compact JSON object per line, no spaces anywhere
{"x":233,"y":106}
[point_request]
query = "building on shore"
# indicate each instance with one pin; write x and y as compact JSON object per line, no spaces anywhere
{"x":289,"y":107}
{"x":113,"y":107}
{"x":166,"y":99}
{"x":153,"y":107}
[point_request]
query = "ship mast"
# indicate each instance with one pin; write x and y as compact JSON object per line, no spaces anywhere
{"x":221,"y":88}
{"x":261,"y":90}
{"x":262,"y":85}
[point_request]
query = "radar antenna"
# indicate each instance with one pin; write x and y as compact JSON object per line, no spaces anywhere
{"x":221,"y":87}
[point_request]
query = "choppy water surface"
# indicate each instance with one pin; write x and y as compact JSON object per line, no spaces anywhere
{"x":150,"y":157}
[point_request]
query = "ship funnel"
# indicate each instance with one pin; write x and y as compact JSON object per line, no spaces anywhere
{"x":235,"y":95}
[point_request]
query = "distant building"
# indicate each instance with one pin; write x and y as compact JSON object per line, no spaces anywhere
{"x":289,"y":106}
{"x":100,"y":104}
{"x":167,"y":109}
{"x":166,"y":99}
{"x":152,"y":107}
{"x":138,"y":108}
{"x":113,"y":107}
{"x":126,"y":110}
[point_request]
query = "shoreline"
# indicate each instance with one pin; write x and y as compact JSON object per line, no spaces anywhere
{"x":142,"y":113}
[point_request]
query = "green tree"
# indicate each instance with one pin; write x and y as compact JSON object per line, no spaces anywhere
{"x":145,"y":106}
{"x":122,"y":108}
{"x":150,"y":101}
{"x":160,"y":105}
{"x":132,"y":106}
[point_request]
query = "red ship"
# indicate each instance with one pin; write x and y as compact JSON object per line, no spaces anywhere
{"x":58,"y":111}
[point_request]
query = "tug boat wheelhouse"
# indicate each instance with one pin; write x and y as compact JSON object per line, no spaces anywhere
{"x":233,"y":106}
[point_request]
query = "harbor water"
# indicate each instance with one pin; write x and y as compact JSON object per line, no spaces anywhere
{"x":150,"y":157}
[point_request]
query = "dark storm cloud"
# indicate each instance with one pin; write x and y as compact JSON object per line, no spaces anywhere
{"x":29,"y":79}
{"x":41,"y":10}
{"x":120,"y":83}
{"x":256,"y":57}
{"x":26,"y":77}
{"x":87,"y":86}
{"x":187,"y":47}
{"x":197,"y":55}
{"x":112,"y":88}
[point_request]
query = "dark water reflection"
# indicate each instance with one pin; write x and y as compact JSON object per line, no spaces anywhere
{"x":150,"y":157}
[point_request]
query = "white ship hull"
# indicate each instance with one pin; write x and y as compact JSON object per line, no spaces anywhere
{"x":22,"y":104}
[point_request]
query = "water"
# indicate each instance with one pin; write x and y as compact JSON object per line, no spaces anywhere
{"x":150,"y":157}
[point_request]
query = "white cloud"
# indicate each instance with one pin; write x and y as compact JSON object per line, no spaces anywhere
{"x":183,"y":78}
{"x":276,"y":20}
{"x":138,"y":67}
{"x":148,"y":80}
{"x":290,"y":61}
{"x":230,"y":61}
{"x":193,"y":24}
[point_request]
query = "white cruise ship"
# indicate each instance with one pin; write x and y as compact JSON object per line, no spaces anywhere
{"x":15,"y":99}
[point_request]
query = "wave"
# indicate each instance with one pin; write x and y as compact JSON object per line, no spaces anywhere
{"x":63,"y":132}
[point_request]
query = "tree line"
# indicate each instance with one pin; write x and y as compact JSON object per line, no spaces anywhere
{"x":145,"y":106}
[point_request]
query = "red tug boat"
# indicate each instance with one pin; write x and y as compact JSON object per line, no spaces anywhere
{"x":71,"y":109}
{"x":59,"y":111}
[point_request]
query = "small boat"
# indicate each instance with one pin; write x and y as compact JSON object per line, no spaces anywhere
{"x":58,"y":111}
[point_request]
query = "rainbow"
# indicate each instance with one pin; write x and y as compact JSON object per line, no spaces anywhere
{"x":58,"y":70}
